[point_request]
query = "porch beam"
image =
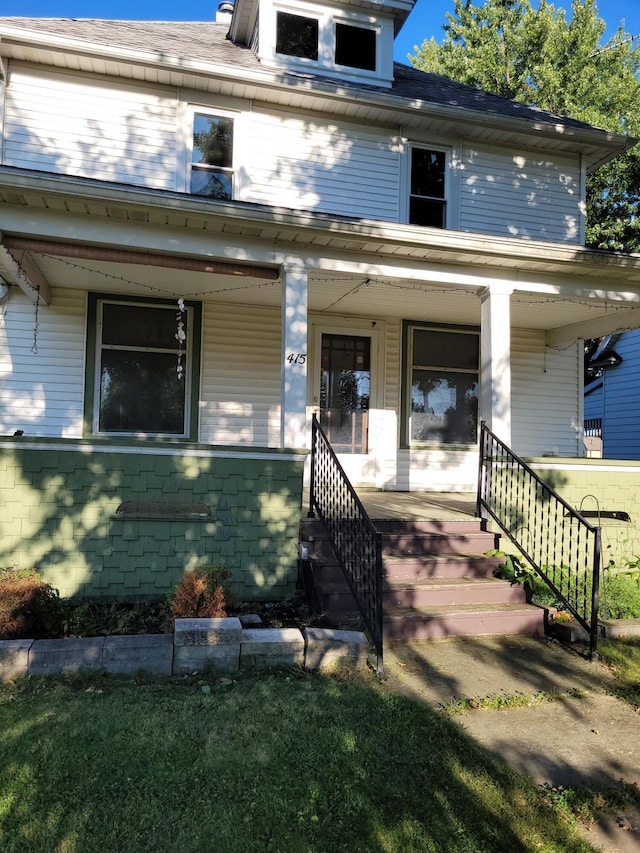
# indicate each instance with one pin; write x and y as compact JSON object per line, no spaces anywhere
{"x":495,"y":359}
{"x":620,"y":321}
{"x":128,"y":256}
{"x":294,"y":355}
{"x":22,"y":271}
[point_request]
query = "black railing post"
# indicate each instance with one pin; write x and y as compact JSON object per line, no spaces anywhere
{"x":312,"y":475}
{"x":595,"y":596}
{"x":480,"y":472}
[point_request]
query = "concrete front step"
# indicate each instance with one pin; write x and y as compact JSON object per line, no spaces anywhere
{"x":411,"y":544}
{"x":442,"y":527}
{"x":416,"y":567}
{"x":464,"y":620}
{"x":453,"y":592}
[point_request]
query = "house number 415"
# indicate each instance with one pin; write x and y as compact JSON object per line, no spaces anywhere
{"x":297,"y":357}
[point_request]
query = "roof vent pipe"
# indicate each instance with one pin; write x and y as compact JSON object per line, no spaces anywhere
{"x":224,"y":13}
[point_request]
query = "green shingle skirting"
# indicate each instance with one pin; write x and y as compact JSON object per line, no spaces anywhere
{"x":60,"y":499}
{"x":607,"y":484}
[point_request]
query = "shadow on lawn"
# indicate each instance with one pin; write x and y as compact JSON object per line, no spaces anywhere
{"x":290,"y":763}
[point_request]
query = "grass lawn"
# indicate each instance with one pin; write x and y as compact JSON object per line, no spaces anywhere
{"x":293,"y":763}
{"x":623,"y":657}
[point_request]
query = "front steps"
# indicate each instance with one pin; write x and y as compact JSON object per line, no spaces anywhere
{"x":438,"y":582}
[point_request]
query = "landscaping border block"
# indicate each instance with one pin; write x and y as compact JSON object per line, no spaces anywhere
{"x":49,"y":657}
{"x":14,"y":658}
{"x":132,"y":653}
{"x":207,"y":644}
{"x":330,"y":648}
{"x":271,"y":647}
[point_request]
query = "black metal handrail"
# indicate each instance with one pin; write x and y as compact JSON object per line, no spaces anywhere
{"x":356,"y":542}
{"x":560,"y":545}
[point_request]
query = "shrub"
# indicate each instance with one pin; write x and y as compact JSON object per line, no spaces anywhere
{"x":202,"y":593}
{"x":620,"y":595}
{"x":29,"y":607}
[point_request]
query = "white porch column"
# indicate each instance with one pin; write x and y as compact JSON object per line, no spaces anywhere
{"x":495,"y":359}
{"x":293,"y":393}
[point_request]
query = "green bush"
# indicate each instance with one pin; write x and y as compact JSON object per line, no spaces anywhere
{"x":620,"y":595}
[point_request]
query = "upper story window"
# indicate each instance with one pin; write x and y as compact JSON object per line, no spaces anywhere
{"x":327,"y":41}
{"x":355,"y":47}
{"x":212,"y":156}
{"x":427,"y":192}
{"x":297,"y":35}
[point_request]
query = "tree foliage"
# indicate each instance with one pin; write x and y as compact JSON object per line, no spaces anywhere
{"x":560,"y":64}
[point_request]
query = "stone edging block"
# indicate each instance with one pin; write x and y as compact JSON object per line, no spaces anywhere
{"x":207,"y":644}
{"x":329,"y":648}
{"x":132,"y":653}
{"x":265,"y":647}
{"x":221,"y":645}
{"x":14,"y":658}
{"x":48,"y":657}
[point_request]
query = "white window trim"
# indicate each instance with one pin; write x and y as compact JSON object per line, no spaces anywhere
{"x":186,"y":149}
{"x":187,"y":363}
{"x":450,"y":218}
{"x":327,"y":39}
{"x":412,"y":327}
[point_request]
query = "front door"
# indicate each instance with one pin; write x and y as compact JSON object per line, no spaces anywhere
{"x":344,"y":394}
{"x":345,"y":391}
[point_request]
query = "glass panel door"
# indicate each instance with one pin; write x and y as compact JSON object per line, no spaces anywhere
{"x":345,"y":388}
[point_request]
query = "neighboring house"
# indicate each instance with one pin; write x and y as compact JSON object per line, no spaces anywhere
{"x":612,"y":401}
{"x":323,"y":230}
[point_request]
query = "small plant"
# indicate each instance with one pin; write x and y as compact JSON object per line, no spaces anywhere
{"x":202,"y":593}
{"x":515,"y":570}
{"x":29,"y":607}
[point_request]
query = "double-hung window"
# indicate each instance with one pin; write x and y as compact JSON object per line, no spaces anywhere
{"x":212,"y":156}
{"x":427,"y":188}
{"x":442,"y":380}
{"x":141,"y":370}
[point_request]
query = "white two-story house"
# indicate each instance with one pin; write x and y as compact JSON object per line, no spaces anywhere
{"x":209,"y":231}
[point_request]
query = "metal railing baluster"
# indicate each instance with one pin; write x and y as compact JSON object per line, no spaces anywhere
{"x":560,"y":545}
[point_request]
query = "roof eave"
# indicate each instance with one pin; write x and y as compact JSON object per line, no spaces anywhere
{"x":609,"y":144}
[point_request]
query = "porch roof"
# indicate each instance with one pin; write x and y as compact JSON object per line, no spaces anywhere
{"x":356,"y":266}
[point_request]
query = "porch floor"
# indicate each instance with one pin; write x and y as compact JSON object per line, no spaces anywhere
{"x":413,"y":506}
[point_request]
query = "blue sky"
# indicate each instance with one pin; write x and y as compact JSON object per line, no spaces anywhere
{"x":426,"y":19}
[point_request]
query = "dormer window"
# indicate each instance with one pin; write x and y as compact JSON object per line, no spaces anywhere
{"x":327,"y":40}
{"x":355,"y":47}
{"x":297,"y":35}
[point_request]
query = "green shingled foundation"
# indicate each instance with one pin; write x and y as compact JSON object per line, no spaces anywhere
{"x":59,"y":516}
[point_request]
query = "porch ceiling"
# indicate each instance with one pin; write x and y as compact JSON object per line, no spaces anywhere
{"x":356,"y":267}
{"x":344,"y":295}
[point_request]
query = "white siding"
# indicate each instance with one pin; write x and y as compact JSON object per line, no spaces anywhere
{"x":331,"y":168}
{"x":545,"y":396}
{"x":42,"y":392}
{"x":240,"y":397}
{"x":520,"y":195}
{"x":74,"y":125}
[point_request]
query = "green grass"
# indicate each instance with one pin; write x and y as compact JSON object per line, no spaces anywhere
{"x":292,"y":763}
{"x":623,"y":657}
{"x":504,"y":701}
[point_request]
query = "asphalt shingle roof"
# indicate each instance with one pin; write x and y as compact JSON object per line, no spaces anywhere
{"x":205,"y":41}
